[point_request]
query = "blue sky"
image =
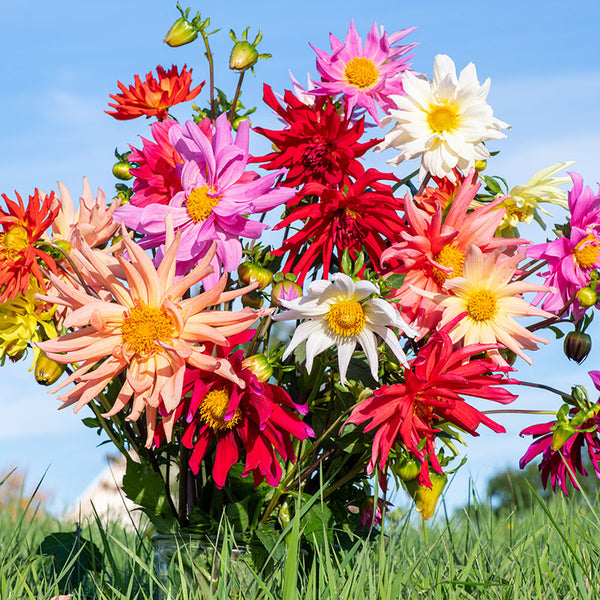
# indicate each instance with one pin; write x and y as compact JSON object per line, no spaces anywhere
{"x":66,"y":58}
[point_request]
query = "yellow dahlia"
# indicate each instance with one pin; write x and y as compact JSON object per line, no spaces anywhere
{"x":489,"y":300}
{"x":144,"y":329}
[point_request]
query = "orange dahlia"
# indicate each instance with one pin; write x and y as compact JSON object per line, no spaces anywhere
{"x":153,"y":97}
{"x":22,"y":227}
{"x":145,"y":330}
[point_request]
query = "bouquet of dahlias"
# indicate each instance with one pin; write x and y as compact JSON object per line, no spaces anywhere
{"x":342,"y":358}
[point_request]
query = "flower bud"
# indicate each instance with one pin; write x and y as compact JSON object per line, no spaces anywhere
{"x":250,"y":273}
{"x":252,"y":299}
{"x":426,"y":497}
{"x":47,"y":371}
{"x":587,"y":297}
{"x":407,"y":469}
{"x":561,"y":433}
{"x":259,"y":365}
{"x":480,"y":165}
{"x":285,"y":290}
{"x":577,"y":346}
{"x":182,"y":32}
{"x":121,"y":170}
{"x":243,"y":56}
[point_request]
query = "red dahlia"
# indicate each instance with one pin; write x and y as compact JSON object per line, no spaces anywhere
{"x":317,"y":146}
{"x":258,"y":421}
{"x":21,"y":229}
{"x":438,"y":378}
{"x":363,"y":214}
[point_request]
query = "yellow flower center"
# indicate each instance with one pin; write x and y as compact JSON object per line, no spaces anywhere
{"x":200,"y":203}
{"x":145,"y":326}
{"x":361,"y":72}
{"x":587,"y":251}
{"x":449,"y":256}
{"x":442,"y":118}
{"x":213,"y":409}
{"x":13,"y":241}
{"x":346,"y":318}
{"x":482,"y":305}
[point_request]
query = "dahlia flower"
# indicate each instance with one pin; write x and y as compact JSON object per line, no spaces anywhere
{"x":561,"y":462}
{"x":522,"y":203}
{"x":434,"y":247}
{"x":22,"y":228}
{"x":146,"y":331}
{"x":485,"y":292}
{"x":258,"y":421}
{"x":24,"y":320}
{"x":366,"y":75}
{"x":217,"y":196}
{"x":153,"y":97}
{"x":352,"y":219}
{"x":436,"y":380}
{"x":445,"y":121}
{"x":571,"y":259}
{"x":338,"y":313}
{"x":156,"y":177}
{"x":316,"y":146}
{"x":92,"y":220}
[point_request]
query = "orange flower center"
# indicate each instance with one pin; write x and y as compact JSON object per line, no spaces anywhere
{"x":442,"y":118}
{"x":213,"y":409}
{"x":361,"y":72}
{"x":587,"y":251}
{"x":13,"y":241}
{"x":200,"y":203}
{"x":144,"y":327}
{"x":482,"y":305}
{"x":346,"y":318}
{"x":449,"y":256}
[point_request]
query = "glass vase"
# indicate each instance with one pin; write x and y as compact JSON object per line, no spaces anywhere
{"x":201,"y":563}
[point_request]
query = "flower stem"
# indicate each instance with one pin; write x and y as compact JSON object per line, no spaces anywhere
{"x":541,"y":386}
{"x":237,"y":95}
{"x":211,"y":71}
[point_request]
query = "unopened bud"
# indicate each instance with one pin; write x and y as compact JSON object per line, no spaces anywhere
{"x":407,"y":469}
{"x":577,"y":346}
{"x":587,"y":297}
{"x":182,"y":32}
{"x":480,"y":165}
{"x":426,"y":497}
{"x":251,"y":273}
{"x":47,"y":371}
{"x":121,"y":170}
{"x":252,"y":299}
{"x":243,"y":56}
{"x":259,"y":365}
{"x":285,"y":290}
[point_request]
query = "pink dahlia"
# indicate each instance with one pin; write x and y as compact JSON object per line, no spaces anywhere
{"x":572,"y":258}
{"x":436,"y":382}
{"x":366,"y":75}
{"x":143,"y":328}
{"x":217,"y":195}
{"x":257,"y":421}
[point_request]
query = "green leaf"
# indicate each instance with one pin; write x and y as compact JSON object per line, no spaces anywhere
{"x":396,"y":280}
{"x":146,"y":488}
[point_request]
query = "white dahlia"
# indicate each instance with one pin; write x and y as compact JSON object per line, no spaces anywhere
{"x":445,"y":121}
{"x":338,"y":313}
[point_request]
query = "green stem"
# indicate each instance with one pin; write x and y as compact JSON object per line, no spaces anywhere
{"x":211,"y":71}
{"x":541,"y":386}
{"x":237,"y":95}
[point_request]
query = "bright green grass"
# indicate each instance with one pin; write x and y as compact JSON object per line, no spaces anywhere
{"x":545,"y":552}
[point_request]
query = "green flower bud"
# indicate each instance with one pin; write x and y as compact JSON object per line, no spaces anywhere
{"x":182,"y":32}
{"x":587,"y":297}
{"x":121,"y":170}
{"x":285,"y":290}
{"x":251,"y":273}
{"x":47,"y":371}
{"x":243,"y":56}
{"x":577,"y":346}
{"x":252,"y":299}
{"x":407,"y":469}
{"x":259,"y":365}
